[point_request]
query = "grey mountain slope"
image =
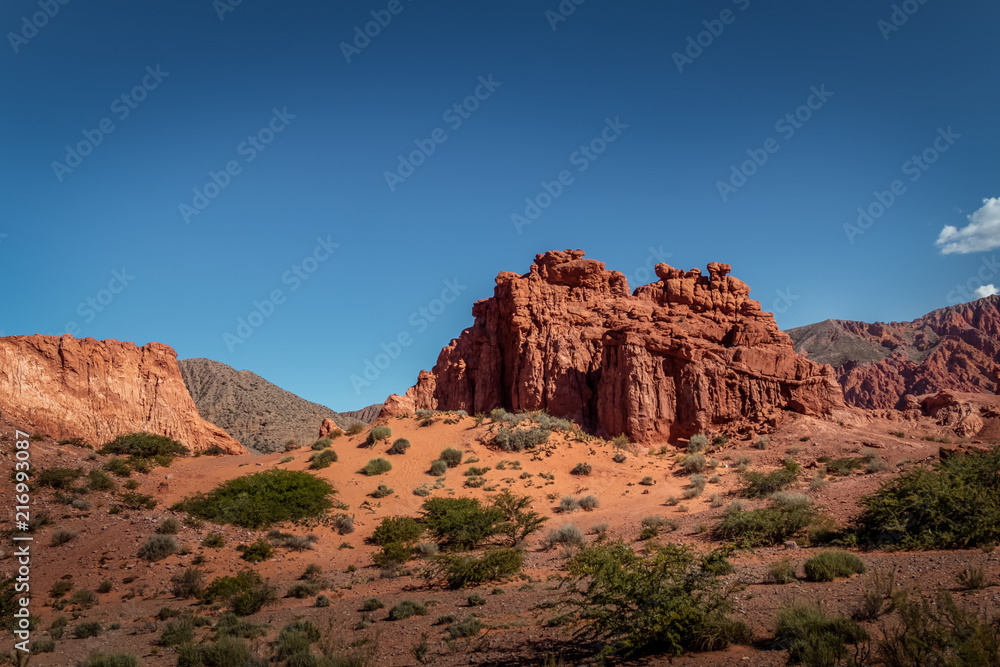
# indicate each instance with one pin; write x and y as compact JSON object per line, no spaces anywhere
{"x":261,"y":415}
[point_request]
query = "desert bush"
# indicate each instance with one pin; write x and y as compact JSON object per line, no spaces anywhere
{"x":177,"y":632}
{"x":844,"y":466}
{"x":589,"y":502}
{"x":828,"y":565}
{"x":356,"y":429}
{"x":322,"y":601}
{"x":402,"y":529}
{"x":169,"y":526}
{"x":684,"y":603}
{"x":257,"y":551}
{"x":399,"y":447}
{"x":84,"y":598}
{"x":378,"y":433}
{"x":694,"y":463}
{"x":214,"y":541}
{"x":381,"y":492}
{"x":60,"y":588}
{"x":581,"y":469}
{"x":136,"y":501}
{"x":98,"y":659}
{"x":692,"y":492}
{"x":461,"y":523}
{"x":567,"y":535}
{"x":98,"y":480}
{"x":781,"y":572}
{"x":620,"y":441}
{"x":476,"y":600}
{"x":439,"y":467}
{"x":955,"y":504}
{"x":145,"y":446}
{"x":569,"y":504}
{"x":88,"y":629}
{"x":321,"y":444}
{"x":187,"y":584}
{"x":105,"y":586}
{"x":118,"y":467}
{"x":58,"y":478}
{"x":231,"y":625}
{"x":460,"y":571}
{"x":323,"y":459}
{"x":620,"y":457}
{"x":972,"y":578}
{"x":406,"y":609}
{"x":287,"y":459}
{"x":261,"y":499}
{"x":697,"y":443}
{"x":343,"y":524}
{"x":647,"y":481}
{"x":520,"y":439}
{"x":470,"y":626}
{"x":62,"y":536}
{"x":760,"y":484}
{"x":43,"y":646}
{"x":426,"y":549}
{"x":452,"y":457}
{"x":811,"y":637}
{"x":158,"y":547}
{"x":764,"y":526}
{"x":761,"y":442}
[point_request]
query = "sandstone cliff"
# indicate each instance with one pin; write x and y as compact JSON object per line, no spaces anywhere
{"x":97,"y":390}
{"x":686,"y":354}
{"x":955,"y":348}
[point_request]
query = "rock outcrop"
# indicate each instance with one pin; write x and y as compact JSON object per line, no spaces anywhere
{"x":97,"y":390}
{"x":261,"y":415}
{"x":686,"y":354}
{"x":955,"y":348}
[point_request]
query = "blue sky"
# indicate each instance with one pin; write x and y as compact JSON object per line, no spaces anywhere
{"x":170,"y":168}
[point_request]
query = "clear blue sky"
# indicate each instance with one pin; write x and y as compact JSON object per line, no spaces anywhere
{"x":209,"y":89}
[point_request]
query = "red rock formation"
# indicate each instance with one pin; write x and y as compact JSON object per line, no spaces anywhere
{"x":689,"y":353}
{"x":956,"y":348}
{"x":98,"y":390}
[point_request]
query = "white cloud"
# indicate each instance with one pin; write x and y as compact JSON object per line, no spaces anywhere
{"x":986,"y":290}
{"x":981,"y":234}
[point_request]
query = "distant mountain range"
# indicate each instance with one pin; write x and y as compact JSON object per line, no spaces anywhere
{"x":955,"y":348}
{"x":261,"y":415}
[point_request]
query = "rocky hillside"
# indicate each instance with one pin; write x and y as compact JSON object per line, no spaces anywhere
{"x":97,"y":390}
{"x":367,"y":414}
{"x":686,"y":354}
{"x":955,"y":348}
{"x":261,"y":415}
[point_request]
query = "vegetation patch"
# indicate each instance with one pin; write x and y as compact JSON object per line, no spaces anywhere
{"x":829,"y":565}
{"x":759,"y":484}
{"x":520,"y":439}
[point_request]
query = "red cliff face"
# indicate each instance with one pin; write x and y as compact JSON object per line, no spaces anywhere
{"x":955,"y":349}
{"x":98,"y":390}
{"x":689,"y":353}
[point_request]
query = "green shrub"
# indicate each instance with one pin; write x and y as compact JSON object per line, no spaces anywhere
{"x":439,"y":467}
{"x":257,"y":551}
{"x":43,"y":646}
{"x":452,"y":457}
{"x":761,"y":484}
{"x":323,"y":459}
{"x":399,"y":447}
{"x":829,"y":565}
{"x":144,"y":446}
{"x":520,"y":439}
{"x":303,"y":589}
{"x":231,"y":625}
{"x":955,"y":504}
{"x":781,"y":572}
{"x":158,"y":547}
{"x":844,"y":466}
{"x":581,"y":469}
{"x":567,"y":535}
{"x":343,"y":524}
{"x":392,"y":555}
{"x":356,"y":429}
{"x":381,"y":492}
{"x":697,"y":443}
{"x":58,"y":478}
{"x":62,"y":536}
{"x":461,"y":523}
{"x":169,"y":526}
{"x":377,"y":433}
{"x":647,"y":481}
{"x":98,"y":480}
{"x":322,"y":443}
{"x":118,"y":467}
{"x":188,"y":584}
{"x":619,"y":457}
{"x":88,"y":629}
{"x":214,"y":541}
{"x":225,"y":651}
{"x":261,"y":499}
{"x":470,"y":626}
{"x":764,"y":526}
{"x":287,"y":459}
{"x":402,"y":529}
{"x":761,"y":442}
{"x":84,"y":598}
{"x":322,"y":601}
{"x":406,"y":609}
{"x":376,"y":467}
{"x":60,"y":588}
{"x":476,"y":600}
{"x":460,"y":571}
{"x":105,"y":586}
{"x":177,"y":632}
{"x":136,"y":501}
{"x":813,"y":638}
{"x":98,"y":659}
{"x":620,"y":441}
{"x":683,"y":608}
{"x":372,"y":604}
{"x":569,"y":504}
{"x":589,"y":502}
